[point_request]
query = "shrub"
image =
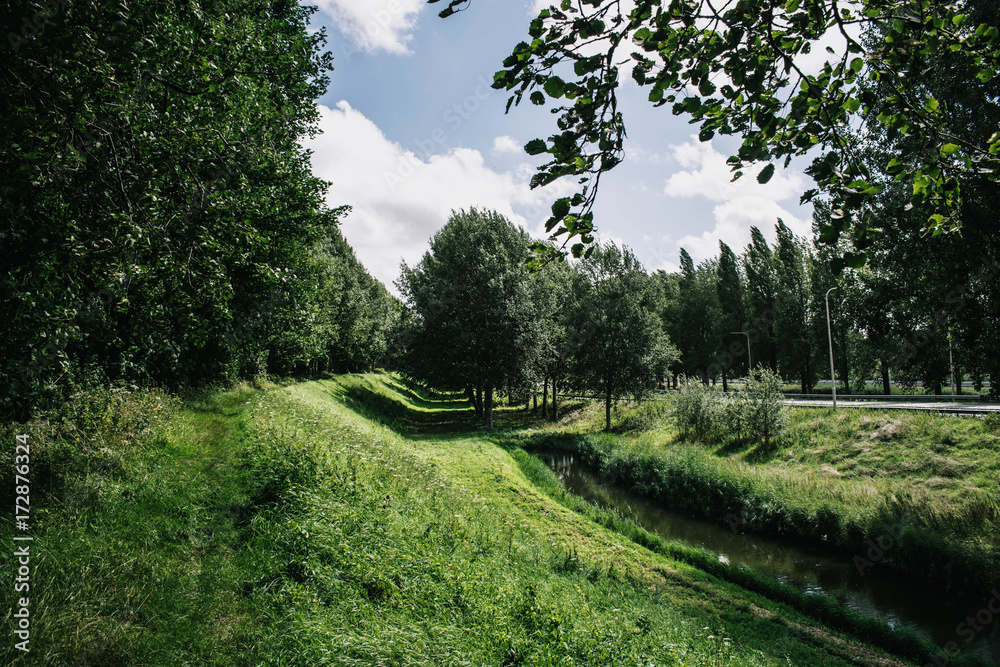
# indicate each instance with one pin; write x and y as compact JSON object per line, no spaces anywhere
{"x":766,"y":416}
{"x":699,"y":410}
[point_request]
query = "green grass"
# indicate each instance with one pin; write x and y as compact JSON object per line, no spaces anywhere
{"x":841,"y":478}
{"x":137,"y":550}
{"x":358,"y":521}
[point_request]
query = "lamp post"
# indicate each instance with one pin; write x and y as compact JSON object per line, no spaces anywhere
{"x":951,"y":363}
{"x":749,"y":362}
{"x":829,"y":337}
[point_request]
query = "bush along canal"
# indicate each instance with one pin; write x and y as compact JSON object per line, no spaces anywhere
{"x":958,"y":622}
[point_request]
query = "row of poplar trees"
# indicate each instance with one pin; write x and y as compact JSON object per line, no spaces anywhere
{"x":908,"y":316}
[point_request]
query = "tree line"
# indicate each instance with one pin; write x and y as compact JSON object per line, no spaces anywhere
{"x":159,"y":220}
{"x":481,"y":321}
{"x":906,"y":316}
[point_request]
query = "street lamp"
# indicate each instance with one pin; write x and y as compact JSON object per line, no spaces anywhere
{"x":749,"y":362}
{"x":829,"y":337}
{"x":951,"y":363}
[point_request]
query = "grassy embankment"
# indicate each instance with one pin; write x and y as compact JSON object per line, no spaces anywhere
{"x":352,"y":522}
{"x":926,"y":485}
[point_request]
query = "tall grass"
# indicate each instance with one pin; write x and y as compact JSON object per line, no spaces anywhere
{"x":281,"y":526}
{"x":900,"y":641}
{"x":374,"y":557}
{"x":934,"y":543}
{"x":132,"y":529}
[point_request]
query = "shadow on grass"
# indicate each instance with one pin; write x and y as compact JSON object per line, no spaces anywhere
{"x":422,"y":396}
{"x":434,"y":418}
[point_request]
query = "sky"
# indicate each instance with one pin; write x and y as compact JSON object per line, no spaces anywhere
{"x":411,"y":130}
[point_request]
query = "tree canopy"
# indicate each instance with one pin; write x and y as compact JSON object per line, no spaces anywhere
{"x":619,"y":346}
{"x":159,"y":220}
{"x":734,"y":67}
{"x":472,"y":296}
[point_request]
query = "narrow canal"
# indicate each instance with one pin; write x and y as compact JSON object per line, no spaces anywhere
{"x":900,"y":601}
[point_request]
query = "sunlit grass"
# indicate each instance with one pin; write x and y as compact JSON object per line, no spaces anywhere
{"x":837,"y":477}
{"x":360,"y":521}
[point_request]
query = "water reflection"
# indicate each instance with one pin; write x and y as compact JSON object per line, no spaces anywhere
{"x":895,"y":599}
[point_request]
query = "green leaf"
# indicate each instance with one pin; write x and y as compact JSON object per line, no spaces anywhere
{"x":948,"y":149}
{"x":554,"y":86}
{"x":765,"y":174}
{"x":560,"y":208}
{"x":535,"y":147}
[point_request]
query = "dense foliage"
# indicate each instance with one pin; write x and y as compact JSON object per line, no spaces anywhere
{"x":483,"y":322}
{"x":158,"y":217}
{"x":471,"y":294}
{"x":906,"y":316}
{"x":736,"y":68}
{"x":620,"y":347}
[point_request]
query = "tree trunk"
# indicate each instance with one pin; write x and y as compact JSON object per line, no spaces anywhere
{"x":470,"y":394}
{"x":886,"y":387}
{"x":806,"y":379}
{"x":545,"y":397}
{"x":725,"y":385}
{"x":534,"y":398}
{"x":607,"y":407}
{"x":479,"y":402}
{"x":554,"y":411}
{"x":489,"y":407}
{"x":957,"y":380}
{"x":844,"y":375}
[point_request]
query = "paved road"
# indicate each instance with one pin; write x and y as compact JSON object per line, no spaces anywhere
{"x":968,"y":408}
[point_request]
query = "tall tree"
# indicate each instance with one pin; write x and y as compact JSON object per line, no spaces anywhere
{"x":154,"y":191}
{"x":472,"y":295}
{"x":729,"y":286}
{"x":618,"y":342}
{"x":552,"y":295}
{"x":762,"y":311}
{"x":698,"y":333}
{"x":792,"y":327}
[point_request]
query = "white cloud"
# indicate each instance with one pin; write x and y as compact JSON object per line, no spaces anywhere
{"x":400,"y":199}
{"x":506,"y":144}
{"x":375,"y":25}
{"x":741,"y":204}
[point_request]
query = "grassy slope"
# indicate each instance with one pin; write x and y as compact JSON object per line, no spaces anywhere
{"x":137,"y":554}
{"x":837,"y":476}
{"x":537,"y":584}
{"x":354,"y":522}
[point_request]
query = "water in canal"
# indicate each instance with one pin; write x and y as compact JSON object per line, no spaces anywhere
{"x":898,"y":600}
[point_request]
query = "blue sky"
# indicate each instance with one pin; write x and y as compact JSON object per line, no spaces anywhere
{"x":411,"y":130}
